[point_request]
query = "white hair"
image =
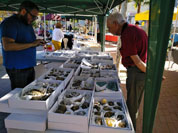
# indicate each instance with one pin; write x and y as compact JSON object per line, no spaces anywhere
{"x":116,"y":16}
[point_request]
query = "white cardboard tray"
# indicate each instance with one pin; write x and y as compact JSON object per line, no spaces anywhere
{"x":26,"y":122}
{"x":107,"y":92}
{"x":68,"y":127}
{"x":93,"y":128}
{"x":16,"y":102}
{"x":70,"y":119}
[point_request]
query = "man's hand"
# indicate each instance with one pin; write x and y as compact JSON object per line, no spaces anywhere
{"x":139,"y":63}
{"x":163,"y":77}
{"x":39,"y":42}
{"x":9,"y":44}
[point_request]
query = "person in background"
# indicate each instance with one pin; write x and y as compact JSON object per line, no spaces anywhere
{"x":137,"y":23}
{"x":175,"y":41}
{"x":98,"y":34}
{"x":57,"y":36}
{"x":70,"y":27}
{"x":41,"y":30}
{"x":50,"y":31}
{"x":19,"y":45}
{"x":134,"y":56}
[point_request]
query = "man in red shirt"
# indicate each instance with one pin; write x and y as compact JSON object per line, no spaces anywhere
{"x":134,"y":55}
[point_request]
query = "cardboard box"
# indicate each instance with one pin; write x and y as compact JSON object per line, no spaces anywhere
{"x":53,"y":65}
{"x":109,"y":74}
{"x":16,"y":102}
{"x":83,"y":121}
{"x":86,"y":64}
{"x":87,"y":72}
{"x":63,"y":54}
{"x":4,"y":106}
{"x":107,"y":92}
{"x":26,"y":122}
{"x":68,"y":127}
{"x":90,"y":73}
{"x":114,"y":69}
{"x":70,"y":63}
{"x":94,"y":128}
{"x":46,"y":54}
{"x":104,"y":54}
{"x":68,"y":78}
{"x":29,"y":111}
{"x":63,"y":70}
{"x":102,"y":59}
{"x":78,"y":71}
{"x":10,"y":130}
{"x":84,"y":83}
{"x":87,"y":53}
{"x":99,"y":129}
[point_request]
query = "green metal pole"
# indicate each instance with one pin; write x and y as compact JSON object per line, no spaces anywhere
{"x":74,"y":22}
{"x":102,"y":27}
{"x":160,"y":20}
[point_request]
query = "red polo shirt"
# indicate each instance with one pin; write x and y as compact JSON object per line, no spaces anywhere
{"x":134,"y":42}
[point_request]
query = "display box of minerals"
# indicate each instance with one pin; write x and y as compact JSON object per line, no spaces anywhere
{"x":102,"y":59}
{"x":87,"y":53}
{"x":41,"y":93}
{"x":37,"y":95}
{"x":80,"y":58}
{"x":109,"y":74}
{"x":72,"y":63}
{"x":110,"y":115}
{"x":4,"y":106}
{"x":87,"y":72}
{"x":104,"y":54}
{"x":108,"y":87}
{"x":86,"y":64}
{"x":47,"y":54}
{"x":107,"y":67}
{"x":58,"y":74}
{"x":61,"y":55}
{"x":93,"y":53}
{"x":71,"y":112}
{"x":82,"y":83}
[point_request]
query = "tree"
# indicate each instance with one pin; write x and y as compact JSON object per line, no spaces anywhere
{"x":139,"y":2}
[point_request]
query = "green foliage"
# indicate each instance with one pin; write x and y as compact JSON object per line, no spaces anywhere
{"x":137,"y":2}
{"x":76,"y":28}
{"x":34,"y":24}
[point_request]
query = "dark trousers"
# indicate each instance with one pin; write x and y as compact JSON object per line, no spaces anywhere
{"x":135,"y":88}
{"x":21,"y":77}
{"x":175,"y":44}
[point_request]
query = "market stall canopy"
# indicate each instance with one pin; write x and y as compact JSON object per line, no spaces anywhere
{"x":142,"y":16}
{"x":85,"y":7}
{"x":77,"y":17}
{"x":145,"y":16}
{"x":52,"y":17}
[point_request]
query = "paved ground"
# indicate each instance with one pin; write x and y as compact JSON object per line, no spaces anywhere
{"x":167,"y":112}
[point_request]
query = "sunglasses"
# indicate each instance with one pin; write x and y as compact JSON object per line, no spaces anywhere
{"x":33,"y":16}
